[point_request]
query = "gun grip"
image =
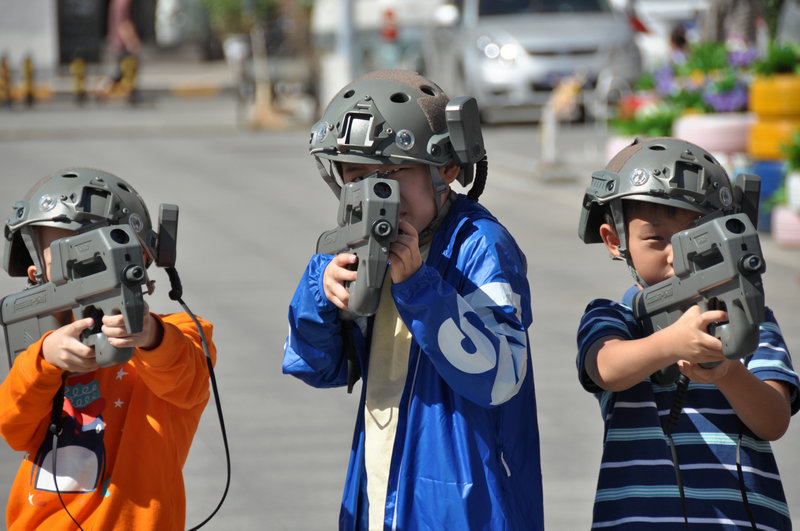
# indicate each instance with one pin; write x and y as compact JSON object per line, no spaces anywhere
{"x":106,"y":354}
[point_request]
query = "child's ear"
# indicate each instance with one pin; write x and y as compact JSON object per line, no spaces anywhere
{"x":610,"y":238}
{"x":449,"y":172}
{"x":32,"y":272}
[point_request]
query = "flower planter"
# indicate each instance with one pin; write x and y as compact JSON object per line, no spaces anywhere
{"x":724,"y":132}
{"x":793,"y":189}
{"x":771,"y":173}
{"x":767,"y":136}
{"x":776,"y":101}
{"x":776,"y":96}
{"x":786,"y":226}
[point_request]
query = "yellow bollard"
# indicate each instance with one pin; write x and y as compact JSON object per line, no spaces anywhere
{"x":77,"y":69}
{"x":28,"y":81}
{"x":5,"y":82}
{"x":129,"y":67}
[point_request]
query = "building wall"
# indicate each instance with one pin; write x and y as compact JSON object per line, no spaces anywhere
{"x":29,"y":27}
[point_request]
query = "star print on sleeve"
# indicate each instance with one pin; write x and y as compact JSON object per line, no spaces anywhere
{"x":120,"y":373}
{"x":118,"y":403}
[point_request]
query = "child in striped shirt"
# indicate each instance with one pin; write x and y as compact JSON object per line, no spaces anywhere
{"x":714,"y":469}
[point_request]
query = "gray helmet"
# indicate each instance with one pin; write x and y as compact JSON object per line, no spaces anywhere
{"x":79,"y":200}
{"x":667,"y":171}
{"x":396,"y":117}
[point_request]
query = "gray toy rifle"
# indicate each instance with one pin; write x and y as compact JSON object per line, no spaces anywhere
{"x":718,"y":265}
{"x":368,"y":216}
{"x":98,"y":272}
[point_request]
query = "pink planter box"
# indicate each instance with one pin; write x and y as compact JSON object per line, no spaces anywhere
{"x":786,"y":226}
{"x":719,"y":132}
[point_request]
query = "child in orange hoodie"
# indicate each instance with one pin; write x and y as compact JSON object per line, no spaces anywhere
{"x":126,"y":429}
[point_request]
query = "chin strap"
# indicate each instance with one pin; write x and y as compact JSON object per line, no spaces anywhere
{"x":441,"y":213}
{"x":28,"y":237}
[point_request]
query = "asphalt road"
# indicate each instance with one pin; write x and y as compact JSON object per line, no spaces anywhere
{"x":252,"y":206}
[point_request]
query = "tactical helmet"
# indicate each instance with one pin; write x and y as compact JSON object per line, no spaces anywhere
{"x":79,"y":200}
{"x":667,"y":171}
{"x":394,"y":117}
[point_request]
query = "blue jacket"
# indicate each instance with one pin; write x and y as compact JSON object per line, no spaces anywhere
{"x":466,"y":452}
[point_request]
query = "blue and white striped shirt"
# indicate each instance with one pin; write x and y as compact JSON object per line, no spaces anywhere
{"x":637,"y":487}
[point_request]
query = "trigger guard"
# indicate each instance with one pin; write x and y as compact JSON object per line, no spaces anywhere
{"x":106,"y":354}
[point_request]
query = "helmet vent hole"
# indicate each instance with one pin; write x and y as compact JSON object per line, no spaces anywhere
{"x":70,"y":175}
{"x":657,"y":147}
{"x":399,"y":97}
{"x":428,"y":90}
{"x":349,"y":93}
{"x":121,"y":185}
{"x":709,"y":158}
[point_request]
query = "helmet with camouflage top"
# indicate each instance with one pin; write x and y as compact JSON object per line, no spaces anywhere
{"x":666,"y":171}
{"x":393,"y":117}
{"x":79,"y":200}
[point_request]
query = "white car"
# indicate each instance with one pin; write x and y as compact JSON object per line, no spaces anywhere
{"x":510,"y":54}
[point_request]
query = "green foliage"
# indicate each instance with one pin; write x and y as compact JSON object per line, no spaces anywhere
{"x":792,"y":152}
{"x":237,"y":16}
{"x":655,"y":122}
{"x":646,"y":81}
{"x":779,"y":60}
{"x":704,"y":57}
{"x":773,"y":10}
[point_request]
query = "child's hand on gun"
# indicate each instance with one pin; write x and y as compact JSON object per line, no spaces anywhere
{"x":118,"y":336}
{"x":64,"y":348}
{"x":336,"y":274}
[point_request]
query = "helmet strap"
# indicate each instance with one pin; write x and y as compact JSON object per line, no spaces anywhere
{"x":618,"y":215}
{"x":439,"y":189}
{"x":328,"y":178}
{"x":441,"y":213}
{"x":31,"y":241}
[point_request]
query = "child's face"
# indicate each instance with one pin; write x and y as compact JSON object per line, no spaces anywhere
{"x":47,"y":235}
{"x":417,"y":204}
{"x":650,"y":231}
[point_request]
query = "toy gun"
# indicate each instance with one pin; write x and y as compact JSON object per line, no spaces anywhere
{"x":368,"y":215}
{"x":718,"y":265}
{"x":98,"y":272}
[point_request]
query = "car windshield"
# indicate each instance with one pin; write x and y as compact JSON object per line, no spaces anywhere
{"x":510,"y":7}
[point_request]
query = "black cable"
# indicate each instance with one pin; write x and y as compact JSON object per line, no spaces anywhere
{"x":682,"y":385}
{"x":175,"y":294}
{"x":348,"y":345}
{"x":481,"y":172}
{"x":55,"y":428}
{"x":742,"y":486}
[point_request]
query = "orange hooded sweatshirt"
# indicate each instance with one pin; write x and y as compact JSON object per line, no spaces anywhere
{"x":126,"y":434}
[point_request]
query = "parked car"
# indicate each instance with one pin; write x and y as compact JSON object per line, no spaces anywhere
{"x":510,"y":54}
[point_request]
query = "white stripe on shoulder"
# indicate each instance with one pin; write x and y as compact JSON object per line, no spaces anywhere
{"x":495,"y":294}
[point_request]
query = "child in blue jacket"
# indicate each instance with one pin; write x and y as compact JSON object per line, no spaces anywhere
{"x":446,"y":434}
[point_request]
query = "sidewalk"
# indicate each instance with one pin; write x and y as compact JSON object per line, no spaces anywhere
{"x":180,"y":72}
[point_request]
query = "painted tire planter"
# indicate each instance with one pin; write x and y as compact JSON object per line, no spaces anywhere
{"x":771,"y":173}
{"x":786,"y":226}
{"x":776,"y":102}
{"x":776,"y":96}
{"x":724,"y":132}
{"x":767,"y":136}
